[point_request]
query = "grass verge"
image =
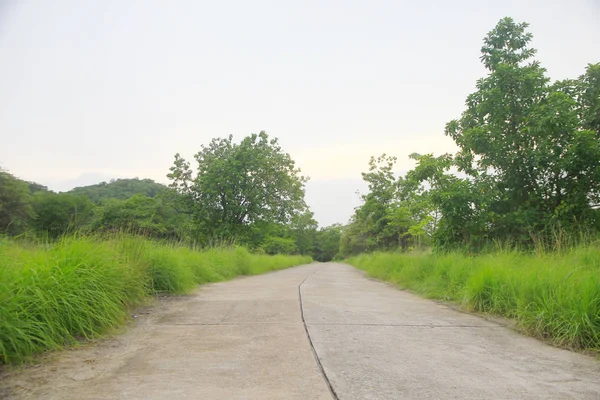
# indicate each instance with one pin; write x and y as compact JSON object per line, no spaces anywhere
{"x":554,"y":296}
{"x":80,"y":288}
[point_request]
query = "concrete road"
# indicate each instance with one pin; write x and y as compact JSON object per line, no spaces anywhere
{"x":377,"y":342}
{"x":320,"y":331}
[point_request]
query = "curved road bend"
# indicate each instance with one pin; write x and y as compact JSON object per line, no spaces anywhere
{"x":321,"y":331}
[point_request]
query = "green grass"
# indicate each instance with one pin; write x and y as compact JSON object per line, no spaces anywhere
{"x":554,"y":296}
{"x":55,"y":295}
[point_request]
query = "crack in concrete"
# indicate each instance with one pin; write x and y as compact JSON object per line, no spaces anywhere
{"x":228,"y":323}
{"x":228,"y":313}
{"x":312,"y":346}
{"x":406,"y":325}
{"x":327,"y":324}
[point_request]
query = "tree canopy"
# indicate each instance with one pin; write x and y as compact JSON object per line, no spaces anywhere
{"x":237,"y":185}
{"x":528,"y":162}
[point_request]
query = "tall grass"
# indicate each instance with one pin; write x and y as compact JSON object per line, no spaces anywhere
{"x":79,"y":288}
{"x":555,"y":296}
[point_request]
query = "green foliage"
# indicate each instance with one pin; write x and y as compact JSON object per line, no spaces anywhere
{"x":137,"y":205}
{"x":303,"y":230}
{"x":121,"y":189}
{"x":551,"y":296}
{"x":396,"y":212}
{"x":237,"y":185}
{"x":15,"y":204}
{"x":278,"y":245}
{"x":79,"y":288}
{"x":249,"y":193}
{"x":297,"y":237}
{"x":56,"y":214}
{"x":371,"y":223}
{"x":531,"y":160}
{"x":528,"y":163}
{"x":327,"y":243}
{"x":152,"y":216}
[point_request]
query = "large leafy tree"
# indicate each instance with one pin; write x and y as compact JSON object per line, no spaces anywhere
{"x":237,"y":185}
{"x":528,"y":163}
{"x":529,"y":148}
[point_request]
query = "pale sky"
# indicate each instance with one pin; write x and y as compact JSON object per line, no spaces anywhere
{"x":94,"y":90}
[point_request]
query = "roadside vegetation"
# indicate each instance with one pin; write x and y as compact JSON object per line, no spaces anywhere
{"x":554,"y":296}
{"x":527,"y":169}
{"x":67,"y":272}
{"x":81,"y":287}
{"x":509,"y":225}
{"x":248,"y":193}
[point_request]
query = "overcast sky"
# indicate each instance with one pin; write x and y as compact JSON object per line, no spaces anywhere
{"x":94,"y":90}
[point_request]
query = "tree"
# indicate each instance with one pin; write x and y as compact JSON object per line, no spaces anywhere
{"x":530,"y":147}
{"x":278,"y":245}
{"x":528,"y":162}
{"x":237,"y":185}
{"x":303,"y":228}
{"x":327,"y":243}
{"x":374,"y":214}
{"x":450,"y":210}
{"x":587,"y":95}
{"x":382,"y":222}
{"x":57,"y":213}
{"x":15,"y":204}
{"x":152,"y":216}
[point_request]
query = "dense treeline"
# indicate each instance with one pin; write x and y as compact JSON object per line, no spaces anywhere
{"x":527,"y":171}
{"x":249,"y":194}
{"x":140,"y":205}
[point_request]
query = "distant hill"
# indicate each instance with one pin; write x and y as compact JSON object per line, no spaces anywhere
{"x":120,"y":189}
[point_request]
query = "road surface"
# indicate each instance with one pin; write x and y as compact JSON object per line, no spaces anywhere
{"x":321,"y":331}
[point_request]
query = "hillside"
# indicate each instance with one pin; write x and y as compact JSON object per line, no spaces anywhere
{"x":120,"y":189}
